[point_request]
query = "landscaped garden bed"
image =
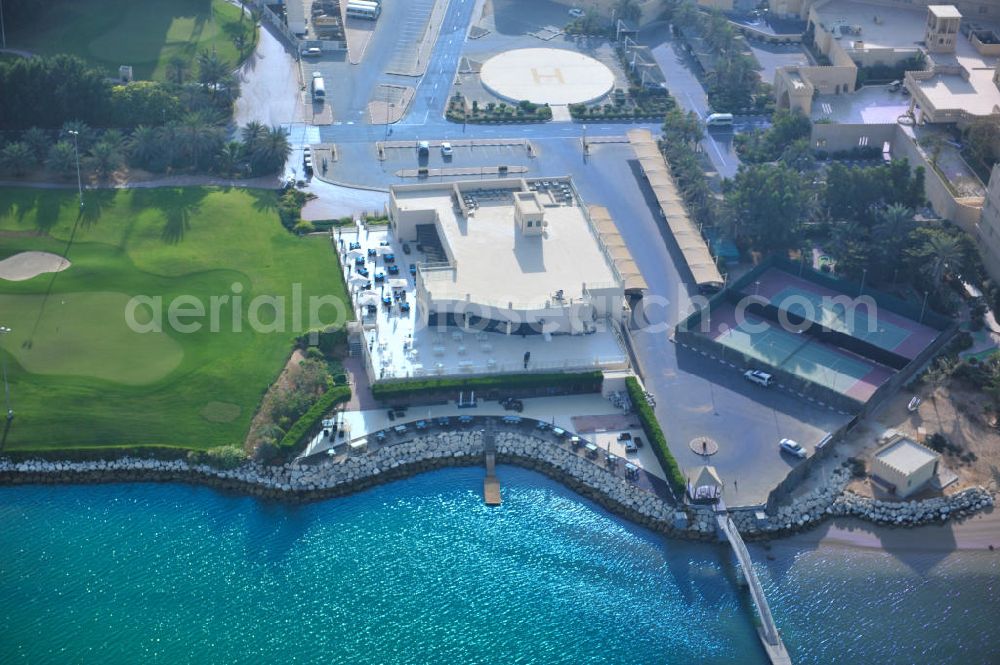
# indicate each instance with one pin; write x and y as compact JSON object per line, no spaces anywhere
{"x":459,"y":110}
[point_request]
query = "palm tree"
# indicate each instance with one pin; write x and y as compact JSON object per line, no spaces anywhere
{"x":16,"y":157}
{"x":252,"y":134}
{"x":177,"y":69}
{"x":84,"y":134}
{"x":62,"y":159}
{"x":169,"y":139}
{"x":106,"y":158}
{"x":39,"y":142}
{"x":211,"y":70}
{"x":229,"y":157}
{"x":194,"y":137}
{"x":114,"y":138}
{"x":271,"y":151}
{"x":944,"y":253}
{"x":144,"y":146}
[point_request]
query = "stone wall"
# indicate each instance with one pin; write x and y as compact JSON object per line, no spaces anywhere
{"x":328,"y":478}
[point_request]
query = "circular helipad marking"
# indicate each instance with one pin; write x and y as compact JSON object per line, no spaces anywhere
{"x":704,"y":445}
{"x":546,"y":76}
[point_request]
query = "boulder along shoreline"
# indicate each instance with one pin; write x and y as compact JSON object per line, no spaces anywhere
{"x":294,"y":482}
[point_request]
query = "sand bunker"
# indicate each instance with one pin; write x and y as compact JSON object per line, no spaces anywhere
{"x":26,"y":265}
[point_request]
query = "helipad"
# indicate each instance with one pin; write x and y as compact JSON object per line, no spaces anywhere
{"x":546,"y":76}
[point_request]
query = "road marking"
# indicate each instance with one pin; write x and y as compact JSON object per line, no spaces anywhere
{"x":717,"y":151}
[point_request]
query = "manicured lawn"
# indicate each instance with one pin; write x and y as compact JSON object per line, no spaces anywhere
{"x":81,"y":376}
{"x":141,"y":33}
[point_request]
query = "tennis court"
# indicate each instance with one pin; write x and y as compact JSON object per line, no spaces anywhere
{"x":836,"y":369}
{"x":798,"y":354}
{"x":885,"y":329}
{"x":758,"y":339}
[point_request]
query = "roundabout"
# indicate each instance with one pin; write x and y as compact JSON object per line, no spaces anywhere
{"x":546,"y":76}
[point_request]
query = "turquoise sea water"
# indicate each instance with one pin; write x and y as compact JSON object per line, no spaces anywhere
{"x":420,"y":571}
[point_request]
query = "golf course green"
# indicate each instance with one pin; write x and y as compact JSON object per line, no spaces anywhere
{"x":142,"y":33}
{"x":94,"y":357}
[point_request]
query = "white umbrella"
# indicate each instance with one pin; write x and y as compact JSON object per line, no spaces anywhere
{"x":397,"y":283}
{"x":358,"y":279}
{"x":382,"y":249}
{"x":355,"y":253}
{"x":368,"y":298}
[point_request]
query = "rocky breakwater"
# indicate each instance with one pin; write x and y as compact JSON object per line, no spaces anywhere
{"x":832,"y":500}
{"x":288,"y":481}
{"x":596,"y":482}
{"x":913,"y":513}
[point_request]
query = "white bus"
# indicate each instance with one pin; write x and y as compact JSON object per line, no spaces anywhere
{"x":719,"y":120}
{"x":318,"y":88}
{"x":363,"y":9}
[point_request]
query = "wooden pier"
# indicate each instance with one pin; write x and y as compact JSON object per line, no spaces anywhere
{"x":491,"y":484}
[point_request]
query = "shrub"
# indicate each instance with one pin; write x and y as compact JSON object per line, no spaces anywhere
{"x":656,"y":438}
{"x":578,"y":382}
{"x":857,"y":467}
{"x":303,"y":226}
{"x":220,"y":457}
{"x":297,"y":432}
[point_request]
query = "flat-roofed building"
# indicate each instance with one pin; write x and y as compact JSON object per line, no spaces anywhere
{"x":508,"y":256}
{"x":905,"y":465}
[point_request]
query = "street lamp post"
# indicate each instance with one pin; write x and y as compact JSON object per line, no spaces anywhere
{"x":864,"y":275}
{"x":585,"y":139}
{"x":6,"y":387}
{"x":76,"y":148}
{"x":924,"y":306}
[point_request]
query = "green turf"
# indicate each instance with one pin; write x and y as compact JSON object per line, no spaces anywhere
{"x":141,"y":33}
{"x":81,"y":377}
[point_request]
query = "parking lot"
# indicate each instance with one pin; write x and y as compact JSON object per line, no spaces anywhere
{"x":408,"y":33}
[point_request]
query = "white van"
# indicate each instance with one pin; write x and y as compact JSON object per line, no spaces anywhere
{"x":719,"y":120}
{"x":758,"y":377}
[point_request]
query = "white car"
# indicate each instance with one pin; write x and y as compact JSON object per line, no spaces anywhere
{"x":792,"y":447}
{"x":446,"y":149}
{"x":312,"y":52}
{"x":758,"y":377}
{"x":576,"y":12}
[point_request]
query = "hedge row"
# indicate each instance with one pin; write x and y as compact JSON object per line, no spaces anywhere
{"x":395,"y":389}
{"x":303,"y":425}
{"x":655,"y":436}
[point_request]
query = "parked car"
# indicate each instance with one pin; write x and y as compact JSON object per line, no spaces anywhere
{"x":312,"y":52}
{"x":423,"y":148}
{"x":576,"y":12}
{"x":758,"y":377}
{"x":792,"y":448}
{"x":446,"y":149}
{"x":895,"y":86}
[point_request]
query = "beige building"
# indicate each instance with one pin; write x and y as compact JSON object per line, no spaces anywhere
{"x":511,"y":256}
{"x":959,"y":84}
{"x":905,"y":465}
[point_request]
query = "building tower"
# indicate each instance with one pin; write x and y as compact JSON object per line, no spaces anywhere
{"x":942,"y":28}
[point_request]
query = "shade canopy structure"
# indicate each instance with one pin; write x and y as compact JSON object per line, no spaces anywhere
{"x":694,"y":248}
{"x":358,"y":279}
{"x":355,"y":253}
{"x":368,"y":298}
{"x":397,"y":283}
{"x":704,"y":484}
{"x":618,"y":252}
